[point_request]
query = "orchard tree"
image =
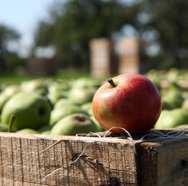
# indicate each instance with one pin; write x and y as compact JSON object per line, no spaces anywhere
{"x":73,"y":23}
{"x":7,"y":35}
{"x":169,"y":20}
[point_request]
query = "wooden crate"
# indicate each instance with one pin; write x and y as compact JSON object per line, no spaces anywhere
{"x":103,"y":162}
{"x":132,"y":55}
{"x":103,"y":59}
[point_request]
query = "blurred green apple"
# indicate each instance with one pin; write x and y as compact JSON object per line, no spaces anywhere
{"x":39,"y":86}
{"x":26,"y":110}
{"x":57,"y":91}
{"x":27,"y":131}
{"x":185,"y":94}
{"x":45,"y":128}
{"x":74,"y":124}
{"x":154,"y":77}
{"x":59,"y":112}
{"x":173,"y":74}
{"x":1,"y":88}
{"x":87,"y":108}
{"x":84,"y":83}
{"x":62,"y":102}
{"x":82,"y":90}
{"x":172,"y":98}
{"x":183,"y":127}
{"x":172,"y":118}
{"x":99,"y":128}
{"x":81,"y":95}
{"x":7,"y":93}
{"x":185,"y":104}
{"x":47,"y":132}
{"x":3,"y":128}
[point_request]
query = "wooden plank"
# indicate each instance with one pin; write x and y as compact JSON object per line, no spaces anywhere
{"x":18,"y":183}
{"x":102,"y":57}
{"x":104,"y":162}
{"x":173,"y":163}
{"x":163,"y":163}
{"x":147,"y":163}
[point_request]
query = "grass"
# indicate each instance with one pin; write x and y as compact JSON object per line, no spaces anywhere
{"x":13,"y":78}
{"x":70,"y":74}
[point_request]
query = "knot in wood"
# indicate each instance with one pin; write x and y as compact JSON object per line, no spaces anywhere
{"x":91,"y":162}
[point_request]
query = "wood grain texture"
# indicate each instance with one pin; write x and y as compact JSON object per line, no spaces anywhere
{"x":173,"y":163}
{"x":103,"y":161}
{"x":163,"y":163}
{"x":111,"y":161}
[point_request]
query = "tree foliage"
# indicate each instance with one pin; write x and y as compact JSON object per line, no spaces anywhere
{"x":8,"y":60}
{"x":73,"y":23}
{"x":7,"y":34}
{"x":169,"y":19}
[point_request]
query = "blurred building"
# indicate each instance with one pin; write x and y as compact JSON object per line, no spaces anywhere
{"x":102,"y":57}
{"x":43,"y":62}
{"x":132,"y":58}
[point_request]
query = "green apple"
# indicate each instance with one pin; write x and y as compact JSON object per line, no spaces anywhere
{"x":81,"y":95}
{"x":185,"y":104}
{"x":173,"y":99}
{"x":85,"y":83}
{"x":62,"y":102}
{"x":82,"y":90}
{"x":154,"y":77}
{"x":27,"y":131}
{"x":184,"y":127}
{"x":57,"y":91}
{"x":7,"y":93}
{"x":185,"y":94}
{"x":47,"y":132}
{"x":59,"y":112}
{"x":39,"y":86}
{"x":172,"y":118}
{"x":45,"y":128}
{"x":26,"y":110}
{"x":164,"y":120}
{"x":99,"y":128}
{"x":3,"y":128}
{"x":172,"y":75}
{"x":1,"y":88}
{"x":74,"y":124}
{"x":87,"y":108}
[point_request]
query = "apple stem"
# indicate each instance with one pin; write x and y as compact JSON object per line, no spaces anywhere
{"x":111,"y":82}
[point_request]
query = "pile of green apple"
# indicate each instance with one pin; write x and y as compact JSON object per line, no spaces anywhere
{"x":173,"y":86}
{"x":63,"y":107}
{"x":54,"y":107}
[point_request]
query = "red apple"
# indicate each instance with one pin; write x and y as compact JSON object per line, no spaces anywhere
{"x":129,"y":101}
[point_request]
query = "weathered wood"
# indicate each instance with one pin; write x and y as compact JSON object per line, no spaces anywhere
{"x":163,"y":163}
{"x":22,"y":161}
{"x":103,"y":59}
{"x":132,"y":52}
{"x":76,"y":161}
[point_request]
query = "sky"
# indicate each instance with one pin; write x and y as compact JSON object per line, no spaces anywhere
{"x":23,"y":15}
